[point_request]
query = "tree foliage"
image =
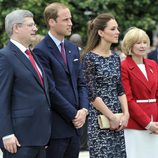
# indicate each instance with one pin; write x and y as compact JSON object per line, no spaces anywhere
{"x":128,"y":13}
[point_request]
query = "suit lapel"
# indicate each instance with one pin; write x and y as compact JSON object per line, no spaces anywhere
{"x":55,"y":52}
{"x":24,"y":60}
{"x":44,"y":78}
{"x":69,"y":57}
{"x":150,"y":73}
{"x":138,"y":73}
{"x":70,"y":64}
{"x":42,"y":71}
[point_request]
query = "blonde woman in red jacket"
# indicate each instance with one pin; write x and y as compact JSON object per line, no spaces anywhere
{"x":140,"y":82}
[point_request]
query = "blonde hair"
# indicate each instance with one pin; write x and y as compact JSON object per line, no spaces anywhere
{"x":132,"y":36}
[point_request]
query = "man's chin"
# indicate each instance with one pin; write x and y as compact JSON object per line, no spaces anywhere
{"x":33,"y":37}
{"x":68,"y":34}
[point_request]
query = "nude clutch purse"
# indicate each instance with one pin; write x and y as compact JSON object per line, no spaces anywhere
{"x":103,"y":121}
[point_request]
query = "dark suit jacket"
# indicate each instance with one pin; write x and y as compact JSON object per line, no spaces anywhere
{"x":68,"y":92}
{"x":137,"y":87}
{"x":24,"y":103}
{"x":153,"y":55}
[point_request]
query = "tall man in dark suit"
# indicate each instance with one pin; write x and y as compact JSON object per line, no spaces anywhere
{"x":68,"y":93}
{"x":153,"y":55}
{"x":25,"y":125}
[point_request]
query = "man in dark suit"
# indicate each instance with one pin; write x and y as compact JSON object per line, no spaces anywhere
{"x":67,"y":88}
{"x":153,"y":55}
{"x":25,"y":125}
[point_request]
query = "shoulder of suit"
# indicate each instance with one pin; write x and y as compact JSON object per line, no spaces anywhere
{"x":7,"y":55}
{"x":152,"y":52}
{"x":5,"y":51}
{"x":41,"y":44}
{"x":69,"y":43}
{"x":125,"y":61}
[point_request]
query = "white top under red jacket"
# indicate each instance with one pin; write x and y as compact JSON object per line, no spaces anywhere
{"x":137,"y":88}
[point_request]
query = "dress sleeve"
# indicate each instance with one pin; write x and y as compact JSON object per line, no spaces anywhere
{"x":89,"y":75}
{"x":120,"y":89}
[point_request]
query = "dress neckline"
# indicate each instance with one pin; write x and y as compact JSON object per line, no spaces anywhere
{"x":101,"y":55}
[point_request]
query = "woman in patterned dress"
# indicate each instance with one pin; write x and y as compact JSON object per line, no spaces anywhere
{"x":101,"y":69}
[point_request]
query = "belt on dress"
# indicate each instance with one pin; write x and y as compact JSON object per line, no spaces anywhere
{"x":146,"y":101}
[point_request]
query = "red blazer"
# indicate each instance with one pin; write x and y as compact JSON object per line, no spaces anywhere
{"x":137,"y":87}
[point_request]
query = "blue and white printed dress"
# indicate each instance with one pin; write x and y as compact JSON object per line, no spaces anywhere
{"x":102,"y":75}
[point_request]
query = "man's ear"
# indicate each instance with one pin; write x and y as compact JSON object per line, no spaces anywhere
{"x":51,"y":22}
{"x":16,"y":27}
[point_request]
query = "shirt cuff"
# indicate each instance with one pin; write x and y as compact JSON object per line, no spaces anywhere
{"x":8,"y":136}
{"x":149,"y":125}
{"x":85,"y":110}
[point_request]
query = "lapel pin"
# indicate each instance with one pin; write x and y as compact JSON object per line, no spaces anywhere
{"x":69,"y":51}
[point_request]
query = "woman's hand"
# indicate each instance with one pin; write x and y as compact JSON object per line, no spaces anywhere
{"x":123,"y":121}
{"x":154,"y":127}
{"x":114,"y":122}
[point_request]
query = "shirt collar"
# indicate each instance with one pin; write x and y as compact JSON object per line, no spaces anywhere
{"x":19,"y":45}
{"x":56,"y":41}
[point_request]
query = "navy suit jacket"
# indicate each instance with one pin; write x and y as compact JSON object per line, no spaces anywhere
{"x":24,"y":103}
{"x":68,"y":91}
{"x":153,"y":55}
